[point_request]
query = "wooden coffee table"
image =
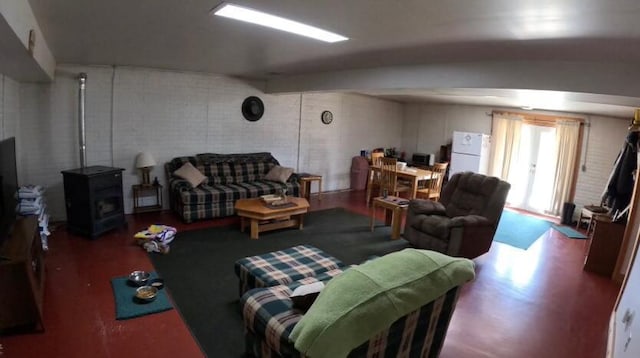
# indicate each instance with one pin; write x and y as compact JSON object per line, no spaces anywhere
{"x":262,"y":218}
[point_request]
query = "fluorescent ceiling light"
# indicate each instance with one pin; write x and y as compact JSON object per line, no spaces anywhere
{"x":260,"y":18}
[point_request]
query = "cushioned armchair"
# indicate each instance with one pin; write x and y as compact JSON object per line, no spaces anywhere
{"x":465,"y":220}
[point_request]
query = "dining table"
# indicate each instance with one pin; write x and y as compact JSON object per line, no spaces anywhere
{"x":410,"y":174}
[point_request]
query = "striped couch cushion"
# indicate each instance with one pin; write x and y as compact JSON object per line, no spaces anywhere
{"x":220,"y":193}
{"x":269,"y":320}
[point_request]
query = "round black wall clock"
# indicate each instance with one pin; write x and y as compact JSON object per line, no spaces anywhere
{"x":327,"y":117}
{"x":252,"y":108}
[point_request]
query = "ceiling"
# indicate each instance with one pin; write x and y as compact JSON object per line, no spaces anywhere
{"x":182,"y":35}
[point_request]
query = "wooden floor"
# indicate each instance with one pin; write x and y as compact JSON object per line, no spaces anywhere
{"x":533,"y":303}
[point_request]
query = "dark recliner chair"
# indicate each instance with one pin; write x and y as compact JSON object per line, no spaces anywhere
{"x":465,"y":220}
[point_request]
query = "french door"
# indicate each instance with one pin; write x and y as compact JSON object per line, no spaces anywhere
{"x":533,"y":174}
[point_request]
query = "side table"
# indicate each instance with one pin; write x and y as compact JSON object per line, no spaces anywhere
{"x":305,"y":185}
{"x":394,"y":209}
{"x":141,"y":191}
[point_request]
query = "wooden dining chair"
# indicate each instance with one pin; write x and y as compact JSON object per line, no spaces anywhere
{"x":389,"y":177}
{"x":433,"y":186}
{"x":375,"y":158}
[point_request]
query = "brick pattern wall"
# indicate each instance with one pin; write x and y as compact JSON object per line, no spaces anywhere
{"x":167,"y":113}
{"x":359,"y":123}
{"x":9,"y":107}
{"x":426,"y":127}
{"x":10,"y":114}
{"x":605,"y":142}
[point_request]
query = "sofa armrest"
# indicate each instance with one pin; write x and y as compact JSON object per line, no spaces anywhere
{"x":469,"y":221}
{"x":426,"y":207}
{"x":177,"y":184}
{"x":294,"y":178}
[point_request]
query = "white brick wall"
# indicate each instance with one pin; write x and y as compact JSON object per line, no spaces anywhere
{"x":9,"y":107}
{"x":426,"y":127}
{"x":604,"y":143}
{"x":130,"y":110}
{"x":10,"y":113}
{"x":359,"y":123}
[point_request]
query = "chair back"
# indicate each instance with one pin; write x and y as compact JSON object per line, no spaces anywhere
{"x":375,"y":158}
{"x":440,"y":169}
{"x":469,"y":193}
{"x":388,"y":174}
{"x":433,"y":185}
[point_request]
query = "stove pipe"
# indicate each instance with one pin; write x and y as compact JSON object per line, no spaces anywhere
{"x":82,"y":80}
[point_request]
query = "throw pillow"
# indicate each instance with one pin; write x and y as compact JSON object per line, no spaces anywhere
{"x":279,"y":174}
{"x":190,"y":174}
{"x":368,"y":298}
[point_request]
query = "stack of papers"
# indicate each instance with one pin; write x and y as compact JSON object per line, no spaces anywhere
{"x":31,"y":201}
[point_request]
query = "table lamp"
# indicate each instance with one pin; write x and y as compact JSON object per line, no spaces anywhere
{"x":144,"y":162}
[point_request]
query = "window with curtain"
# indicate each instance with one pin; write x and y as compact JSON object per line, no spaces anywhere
{"x":538,"y":156}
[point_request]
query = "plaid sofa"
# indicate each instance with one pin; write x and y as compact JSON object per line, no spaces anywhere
{"x":229,"y":177}
{"x":269,"y":320}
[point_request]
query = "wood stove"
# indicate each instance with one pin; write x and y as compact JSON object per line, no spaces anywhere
{"x":93,"y":198}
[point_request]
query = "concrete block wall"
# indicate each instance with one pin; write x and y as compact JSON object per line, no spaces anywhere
{"x":359,"y":123}
{"x":9,"y":107}
{"x":167,"y":113}
{"x":427,"y":126}
{"x":605,"y":141}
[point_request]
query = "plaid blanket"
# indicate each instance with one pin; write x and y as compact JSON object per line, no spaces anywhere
{"x":283,"y":267}
{"x":269,"y":320}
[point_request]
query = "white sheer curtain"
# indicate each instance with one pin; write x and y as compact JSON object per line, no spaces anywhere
{"x":567,"y":136}
{"x":505,"y":144}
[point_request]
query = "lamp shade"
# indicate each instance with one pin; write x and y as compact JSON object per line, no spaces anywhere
{"x":144,"y":160}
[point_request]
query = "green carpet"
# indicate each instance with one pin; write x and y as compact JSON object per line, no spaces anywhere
{"x":569,"y":232}
{"x":199,"y":274}
{"x":520,"y":230}
{"x":126,"y":305}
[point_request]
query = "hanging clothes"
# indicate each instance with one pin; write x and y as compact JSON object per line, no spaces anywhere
{"x":619,"y":189}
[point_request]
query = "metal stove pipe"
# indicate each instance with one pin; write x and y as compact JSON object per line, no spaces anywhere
{"x":82,"y":79}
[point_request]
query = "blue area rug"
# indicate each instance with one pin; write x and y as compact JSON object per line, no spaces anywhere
{"x":520,"y":230}
{"x":569,"y":232}
{"x":128,"y":307}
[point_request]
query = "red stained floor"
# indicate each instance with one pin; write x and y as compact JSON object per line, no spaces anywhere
{"x":524,"y":303}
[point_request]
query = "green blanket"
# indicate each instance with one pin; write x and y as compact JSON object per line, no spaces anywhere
{"x":367,"y":299}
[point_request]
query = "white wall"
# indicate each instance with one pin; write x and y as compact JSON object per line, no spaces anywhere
{"x":605,"y":140}
{"x":359,"y":123}
{"x":9,"y":107}
{"x":169,"y":114}
{"x":427,"y":126}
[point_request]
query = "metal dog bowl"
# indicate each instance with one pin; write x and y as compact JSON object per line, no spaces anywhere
{"x":146,"y":293}
{"x":139,"y":278}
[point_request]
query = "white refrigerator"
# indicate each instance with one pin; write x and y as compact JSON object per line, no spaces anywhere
{"x":470,"y":152}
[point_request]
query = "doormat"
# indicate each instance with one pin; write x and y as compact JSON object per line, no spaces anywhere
{"x":520,"y":230}
{"x":569,"y":232}
{"x":128,"y":307}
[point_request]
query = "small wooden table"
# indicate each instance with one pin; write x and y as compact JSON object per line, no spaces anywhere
{"x":143,"y":190}
{"x":393,"y":213}
{"x":255,"y":213}
{"x":305,"y":185}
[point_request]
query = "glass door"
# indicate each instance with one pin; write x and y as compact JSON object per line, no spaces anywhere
{"x":533,"y":175}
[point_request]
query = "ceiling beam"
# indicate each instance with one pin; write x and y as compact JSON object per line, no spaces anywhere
{"x":25,"y":53}
{"x":617,"y":79}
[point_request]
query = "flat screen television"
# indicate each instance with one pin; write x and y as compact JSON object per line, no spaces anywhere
{"x":8,"y":185}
